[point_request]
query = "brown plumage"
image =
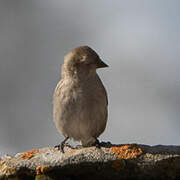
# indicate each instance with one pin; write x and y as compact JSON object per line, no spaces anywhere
{"x":80,"y":99}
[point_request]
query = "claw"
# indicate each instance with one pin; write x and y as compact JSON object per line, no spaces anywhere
{"x":97,"y":144}
{"x":61,"y":146}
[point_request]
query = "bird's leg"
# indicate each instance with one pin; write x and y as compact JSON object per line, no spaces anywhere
{"x":97,"y":143}
{"x":61,"y":146}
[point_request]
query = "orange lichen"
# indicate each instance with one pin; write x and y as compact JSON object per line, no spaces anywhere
{"x":126,"y":151}
{"x":29,"y":154}
{"x":5,"y":168}
{"x":42,"y":169}
{"x":8,"y":170}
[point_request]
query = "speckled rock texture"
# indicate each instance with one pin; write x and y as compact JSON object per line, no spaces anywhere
{"x":128,"y":161}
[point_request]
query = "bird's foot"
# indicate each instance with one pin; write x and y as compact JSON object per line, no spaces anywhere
{"x":62,"y":145}
{"x":58,"y":146}
{"x":97,"y":144}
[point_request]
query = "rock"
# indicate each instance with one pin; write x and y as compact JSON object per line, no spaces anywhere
{"x":130,"y":161}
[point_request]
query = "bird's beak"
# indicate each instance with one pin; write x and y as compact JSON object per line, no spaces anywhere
{"x":101,"y":64}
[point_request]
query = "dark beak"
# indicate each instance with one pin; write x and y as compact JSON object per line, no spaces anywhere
{"x":101,"y":64}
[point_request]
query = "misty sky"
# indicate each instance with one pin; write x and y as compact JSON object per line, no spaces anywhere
{"x":138,"y":39}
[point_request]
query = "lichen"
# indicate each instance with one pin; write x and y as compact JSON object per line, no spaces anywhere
{"x":29,"y":154}
{"x":42,"y":169}
{"x":126,"y":151}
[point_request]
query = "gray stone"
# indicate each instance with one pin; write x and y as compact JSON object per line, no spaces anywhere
{"x":109,"y":162}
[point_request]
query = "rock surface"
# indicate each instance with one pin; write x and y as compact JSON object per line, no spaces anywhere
{"x":129,"y":161}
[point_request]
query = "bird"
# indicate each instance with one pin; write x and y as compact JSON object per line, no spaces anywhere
{"x":80,"y":102}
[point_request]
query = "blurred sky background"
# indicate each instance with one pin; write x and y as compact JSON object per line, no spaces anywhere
{"x":138,"y":39}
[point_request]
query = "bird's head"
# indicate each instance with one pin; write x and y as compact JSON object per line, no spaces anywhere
{"x":83,"y":60}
